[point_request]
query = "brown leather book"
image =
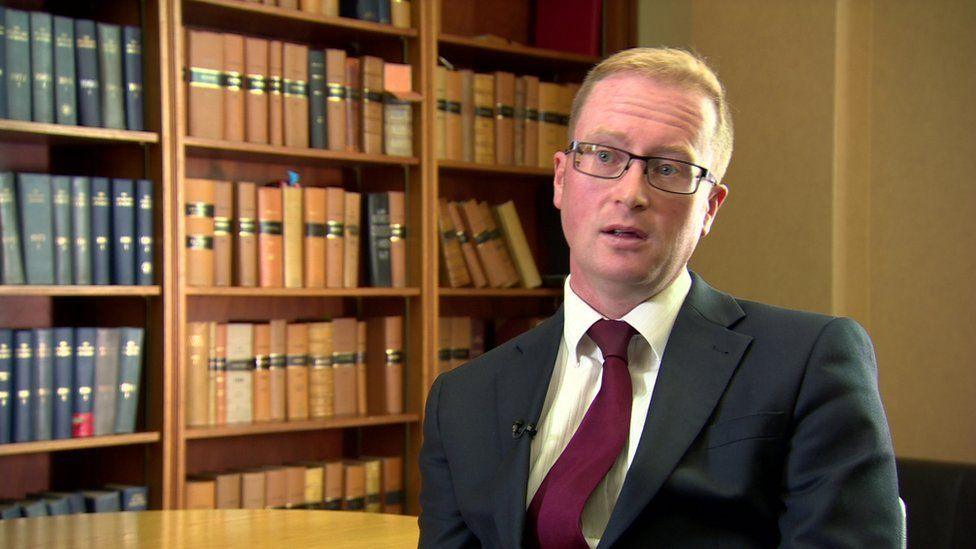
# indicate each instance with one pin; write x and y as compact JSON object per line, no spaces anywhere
{"x":518,"y":128}
{"x":294,"y":485}
{"x":487,"y":252}
{"x":261,"y":396}
{"x":468,"y":250}
{"x":350,"y":244}
{"x":453,"y":269}
{"x":467,"y":115}
{"x":335,"y":102}
{"x":275,"y":487}
{"x":384,"y":364}
{"x":372,"y":125}
{"x":321,"y":380}
{"x":344,"y":331}
{"x":400,"y":13}
{"x":200,"y":493}
{"x":460,"y":340}
{"x":315,"y":230}
{"x":204,"y":91}
{"x":362,"y":385}
{"x":297,"y":372}
{"x":311,"y":6}
{"x":212,"y":374}
{"x":393,"y":495}
{"x":218,"y":332}
{"x":398,"y":100}
{"x":333,"y":484}
{"x":313,"y":483}
{"x":275,"y":83}
{"x":240,"y":372}
{"x":440,"y":115}
{"x":223,"y":213}
{"x":550,"y":107}
{"x":227,"y":489}
{"x":484,"y":120}
{"x":354,"y":481}
{"x":354,"y":105}
{"x":233,"y":87}
{"x":246,"y":249}
{"x":565,"y":106}
{"x":444,"y":341}
{"x":518,"y":245}
{"x":335,"y":212}
{"x":256,"y":85}
{"x":531,"y":142}
{"x":293,"y":235}
{"x":295,"y":69}
{"x":504,"y":117}
{"x":398,"y":239}
{"x":252,"y":489}
{"x":374,"y":484}
{"x":288,"y":4}
{"x":197,"y":374}
{"x":330,"y":8}
{"x":199,"y":228}
{"x":270,"y":242}
{"x":276,"y":369}
{"x":452,"y":120}
{"x":496,"y":240}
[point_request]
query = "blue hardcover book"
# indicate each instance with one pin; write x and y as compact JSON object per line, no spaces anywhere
{"x":86,"y":73}
{"x":3,"y":62}
{"x":65,"y":92}
{"x":42,"y":67}
{"x":23,"y":361}
{"x":63,"y":248}
{"x":6,"y":386}
{"x":110,"y":75}
{"x":131,"y":498}
{"x":10,"y":509}
{"x":12,"y":271}
{"x":81,"y":230}
{"x":57,"y":504}
{"x":364,"y":10}
{"x":82,"y":418}
{"x":132,"y":60}
{"x":36,"y":226}
{"x":383,"y":11}
{"x":102,"y":501}
{"x":130,"y":372}
{"x":76,"y":501}
{"x":101,"y":232}
{"x":33,"y":508}
{"x":42,"y":384}
{"x":17,"y":65}
{"x":106,"y":379}
{"x":144,"y":232}
{"x":123,"y":232}
{"x":64,"y":353}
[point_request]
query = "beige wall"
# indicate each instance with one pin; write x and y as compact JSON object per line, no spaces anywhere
{"x":852,"y":182}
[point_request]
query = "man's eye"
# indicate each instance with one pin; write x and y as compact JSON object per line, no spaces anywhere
{"x":667,"y":170}
{"x":604,"y":156}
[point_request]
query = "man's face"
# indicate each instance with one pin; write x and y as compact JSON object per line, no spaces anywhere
{"x":623,"y":234}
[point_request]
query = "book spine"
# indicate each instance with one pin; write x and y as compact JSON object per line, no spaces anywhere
{"x":123,"y":232}
{"x":81,"y":230}
{"x":354,"y":105}
{"x":232,"y":82}
{"x":456,"y":272}
{"x":316,"y":99}
{"x":270,"y":244}
{"x":344,"y":333}
{"x":443,"y":345}
{"x":64,"y":351}
{"x":18,"y":70}
{"x":217,"y":410}
{"x":335,"y":101}
{"x":468,"y":251}
{"x":132,"y":57}
{"x":398,"y":239}
{"x":460,"y":340}
{"x":393,"y":495}
{"x":310,"y":6}
{"x":374,"y":470}
{"x":82,"y":417}
{"x":106,"y":379}
{"x":275,"y":83}
{"x":37,"y":227}
{"x":3,"y":62}
{"x":222,"y":248}
{"x":514,"y":235}
{"x":205,"y":111}
{"x":256,"y":85}
{"x":378,"y":214}
{"x":335,"y":236}
{"x":197,"y":393}
{"x":261,"y":401}
{"x":531,"y":147}
{"x":199,"y":223}
{"x":372,"y":125}
{"x":467,"y":115}
{"x":397,"y":127}
{"x":330,"y":8}
{"x":383,"y":11}
{"x":89,"y":92}
{"x":452,"y":116}
{"x":314,"y":237}
{"x":487,"y":253}
{"x":293,"y":235}
{"x":510,"y":274}
{"x":504,"y":117}
{"x":362,"y":385}
{"x":240,"y":372}
{"x":42,"y":67}
{"x":246,"y":234}
{"x":295,"y":70}
{"x":276,"y":370}
{"x":6,"y":375}
{"x":110,"y":72}
{"x":484,"y":121}
{"x":354,"y":494}
{"x":385,"y":361}
{"x":296,"y":372}
{"x":144,"y":233}
{"x":350,"y":256}
{"x":400,"y":13}
{"x":13,"y":261}
{"x":23,"y":398}
{"x":42,"y":385}
{"x":130,"y":372}
{"x":61,"y":189}
{"x":321,"y":383}
{"x":518,"y":132}
{"x":100,"y":231}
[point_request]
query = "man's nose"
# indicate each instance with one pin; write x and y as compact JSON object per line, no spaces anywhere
{"x":632,"y":188}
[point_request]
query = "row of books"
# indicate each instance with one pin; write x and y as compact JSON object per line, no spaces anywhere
{"x":70,"y":71}
{"x":500,"y":118}
{"x":288,"y":236}
{"x":267,"y":91}
{"x":58,"y":383}
{"x":395,"y":12}
{"x":370,"y":484}
{"x":112,"y":498}
{"x":243,"y":372}
{"x":60,"y":229}
{"x":475,"y":252}
{"x":462,"y":338}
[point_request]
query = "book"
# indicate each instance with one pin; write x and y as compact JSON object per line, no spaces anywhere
{"x":233,"y":87}
{"x":362,"y":383}
{"x":106,"y":379}
{"x":199,"y":195}
{"x":518,"y":245}
{"x":131,"y":498}
{"x":335,"y":208}
{"x":571,"y":26}
{"x":13,"y":264}
{"x":81,"y":230}
{"x":294,"y":485}
{"x":17,"y":66}
{"x":42,"y":385}
{"x":82,"y":418}
{"x":378,"y":231}
{"x":23,"y":397}
{"x":314,"y":237}
{"x":494,"y":237}
{"x":365,"y":10}
{"x":440,"y":115}
{"x":275,"y":88}
{"x":10,"y":510}
{"x":222,"y":245}
{"x":293,"y":236}
{"x":217,"y":374}
{"x":333,"y":485}
{"x":63,"y":248}
{"x":444,"y":324}
{"x":392,"y":488}
{"x":240,"y":373}
{"x":400,"y":13}
{"x":454,"y":141}
{"x":145,"y":275}
{"x":132,"y":65}
{"x":335,"y":101}
{"x":275,"y":487}
{"x":42,"y":66}
{"x":518,"y":127}
{"x":372,"y":104}
{"x":75,"y":500}
{"x":64,"y":353}
{"x":246,"y":248}
{"x":484,"y":119}
{"x":310,"y":6}
{"x":330,"y":8}
{"x":123,"y":232}
{"x":454,"y":271}
{"x":110,"y":75}
{"x":256,"y":98}
{"x":384,"y":364}
{"x":398,"y":239}
{"x":504,"y":117}
{"x":477,"y":337}
{"x":252,"y":489}
{"x":102,"y":501}
{"x":530,"y":147}
{"x":398,"y":102}
{"x":316,"y":99}
{"x":460,"y":340}
{"x":487,"y":253}
{"x":344,"y":331}
{"x":373,"y":485}
{"x":204,"y":92}
{"x":383,"y":11}
{"x":197,"y":374}
{"x":467,"y":115}
{"x":261,"y":400}
{"x":3,"y":77}
{"x":200,"y":493}
{"x":276,"y":368}
{"x":354,"y":486}
{"x":37,"y":226}
{"x":550,"y":139}
{"x":6,"y":383}
{"x":354,"y":105}
{"x":350,"y":261}
{"x":468,"y":250}
{"x":89,"y":93}
{"x":295,"y":91}
{"x":314,"y":473}
{"x":270,"y":241}
{"x":101,"y":220}
{"x":227,"y":489}
{"x":289,"y":4}
{"x":296,"y":372}
{"x":56,"y":505}
{"x":33,"y":508}
{"x":130,"y":374}
{"x":321,"y":379}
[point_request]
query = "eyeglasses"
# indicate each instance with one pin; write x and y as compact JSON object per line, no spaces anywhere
{"x":667,"y":174}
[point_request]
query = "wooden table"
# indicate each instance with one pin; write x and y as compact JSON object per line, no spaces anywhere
{"x":238,"y":528}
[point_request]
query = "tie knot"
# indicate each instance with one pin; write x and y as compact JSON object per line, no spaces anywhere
{"x":612,"y":337}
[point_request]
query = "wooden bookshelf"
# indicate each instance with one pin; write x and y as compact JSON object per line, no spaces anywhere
{"x":19,"y":131}
{"x":24,"y":448}
{"x":508,"y":52}
{"x":494,"y":169}
{"x":230,"y":150}
{"x":501,"y":292}
{"x":295,"y":426}
{"x":303,"y":292}
{"x":81,"y":291}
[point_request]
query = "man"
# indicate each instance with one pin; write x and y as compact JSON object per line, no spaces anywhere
{"x":652,"y":410}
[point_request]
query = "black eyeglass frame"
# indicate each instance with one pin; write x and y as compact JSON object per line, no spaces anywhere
{"x":574,"y":148}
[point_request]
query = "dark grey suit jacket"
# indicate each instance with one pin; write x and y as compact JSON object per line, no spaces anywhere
{"x":765,"y":428}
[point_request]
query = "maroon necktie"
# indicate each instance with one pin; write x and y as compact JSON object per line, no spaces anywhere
{"x":555,"y":511}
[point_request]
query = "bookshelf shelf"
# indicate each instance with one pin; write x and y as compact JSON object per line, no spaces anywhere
{"x":23,"y":448}
{"x":501,"y":292}
{"x":303,"y":292}
{"x":293,"y":426}
{"x":253,"y":152}
{"x":451,"y":44}
{"x":58,"y":134}
{"x":80,"y":291}
{"x":471,"y":167}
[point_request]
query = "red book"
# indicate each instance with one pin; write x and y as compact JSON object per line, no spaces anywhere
{"x":569,"y":25}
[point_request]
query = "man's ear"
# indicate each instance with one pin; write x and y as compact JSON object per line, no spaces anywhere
{"x":715,"y":199}
{"x":559,"y":170}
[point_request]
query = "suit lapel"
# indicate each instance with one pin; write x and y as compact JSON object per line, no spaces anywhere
{"x":701,"y":356}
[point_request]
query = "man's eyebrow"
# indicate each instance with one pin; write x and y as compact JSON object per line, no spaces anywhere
{"x":603,"y":132}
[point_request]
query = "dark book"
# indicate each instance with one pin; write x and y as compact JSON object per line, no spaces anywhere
{"x":10,"y":509}
{"x":131,"y":498}
{"x":65,"y":93}
{"x":110,"y":75}
{"x":132,"y":60}
{"x":383,"y":11}
{"x":81,"y":230}
{"x":17,"y":65}
{"x":36,"y":226}
{"x":56,"y":505}
{"x":144,"y":233}
{"x":106,"y":379}
{"x":82,"y":419}
{"x":64,"y":353}
{"x":42,"y":67}
{"x":6,"y":382}
{"x":63,"y":248}
{"x":42,"y":384}
{"x":23,"y":361}
{"x":378,"y":228}
{"x":12,"y":271}
{"x":3,"y":62}
{"x":102,"y":501}
{"x":365,"y":10}
{"x":86,"y":73}
{"x":76,"y":501}
{"x":123,"y":232}
{"x":130,"y":372}
{"x":33,"y":508}
{"x":99,"y":237}
{"x":316,"y":99}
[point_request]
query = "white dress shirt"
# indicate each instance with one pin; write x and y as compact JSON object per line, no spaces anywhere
{"x":576,"y":379}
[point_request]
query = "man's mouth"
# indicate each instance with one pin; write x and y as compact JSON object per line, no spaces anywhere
{"x":624,"y":232}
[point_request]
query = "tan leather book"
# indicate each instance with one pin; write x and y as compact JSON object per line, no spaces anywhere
{"x":240,"y":372}
{"x":295,"y":69}
{"x":504,"y":117}
{"x":197,"y":385}
{"x":335,"y":208}
{"x":354,"y":484}
{"x":330,"y":8}
{"x":496,"y":240}
{"x":288,"y":4}
{"x":372,"y":124}
{"x":333,"y":484}
{"x":468,"y":250}
{"x":467,"y":115}
{"x":246,"y":249}
{"x":398,"y":100}
{"x":311,"y":6}
{"x":354,"y":105}
{"x":253,"y":489}
{"x":314,"y":479}
{"x":550,"y":107}
{"x":518,"y":245}
{"x":477,"y":337}
{"x":344,"y":331}
{"x":393,"y":495}
{"x":384,"y":364}
{"x":293,"y":236}
{"x":276,"y":369}
{"x":261,"y":381}
{"x":350,"y":245}
{"x":444,"y":342}
{"x":321,"y":378}
{"x":199,"y":228}
{"x":335,"y":102}
{"x":518,"y":128}
{"x":294,"y":485}
{"x":204,"y":91}
{"x":227,"y":489}
{"x":484,"y":118}
{"x":400,"y":13}
{"x":362,"y":383}
{"x":453,"y":270}
{"x":275,"y":82}
{"x":374,"y":485}
{"x":531,"y":143}
{"x":297,"y":372}
{"x":315,"y":230}
{"x":487,"y":252}
{"x":398,"y":239}
{"x":460,"y":340}
{"x":440,"y":115}
{"x":275,"y":487}
{"x":561,"y":136}
{"x":218,"y":339}
{"x":222,"y":246}
{"x":452,"y":117}
{"x":256,"y":85}
{"x":270,"y":242}
{"x":212,"y":374}
{"x":200,"y":493}
{"x":233,"y":87}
